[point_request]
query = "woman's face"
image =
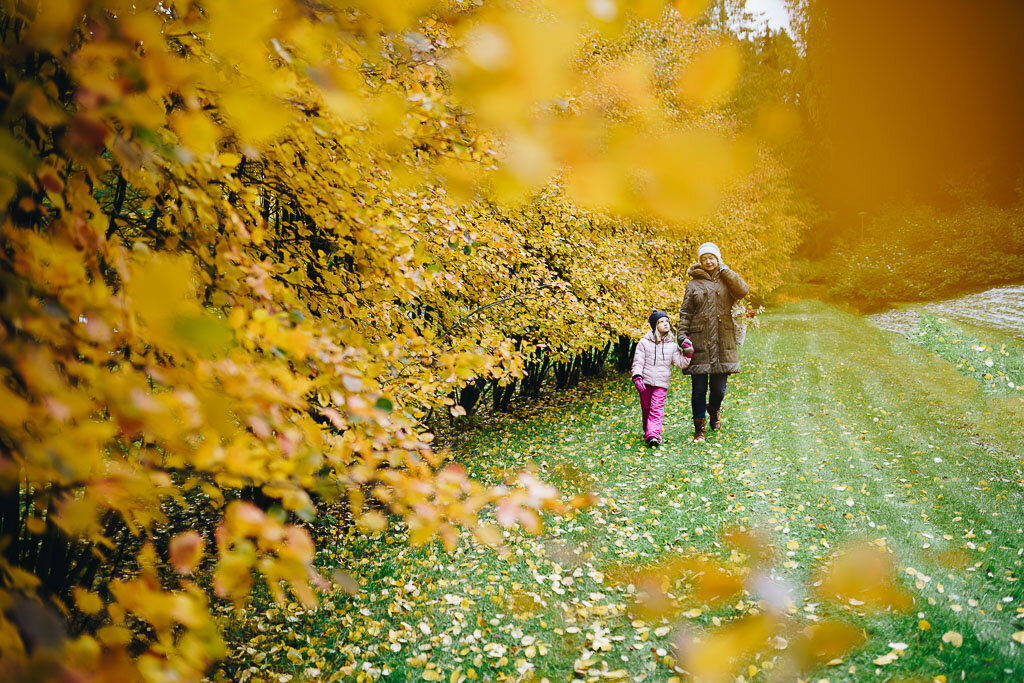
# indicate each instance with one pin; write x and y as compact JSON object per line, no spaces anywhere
{"x":663,"y":325}
{"x":708,"y":262}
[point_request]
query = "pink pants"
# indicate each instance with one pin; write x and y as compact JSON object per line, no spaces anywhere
{"x":652,"y":407}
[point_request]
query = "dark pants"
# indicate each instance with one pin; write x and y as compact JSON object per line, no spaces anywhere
{"x":699,"y":398}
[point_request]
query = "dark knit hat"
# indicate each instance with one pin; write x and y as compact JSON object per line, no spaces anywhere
{"x":655,"y":317}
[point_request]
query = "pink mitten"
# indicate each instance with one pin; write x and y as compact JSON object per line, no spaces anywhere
{"x":638,"y":382}
{"x":687,"y":347}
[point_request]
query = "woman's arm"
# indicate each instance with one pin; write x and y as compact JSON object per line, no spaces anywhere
{"x":685,"y":315}
{"x":737,"y":287}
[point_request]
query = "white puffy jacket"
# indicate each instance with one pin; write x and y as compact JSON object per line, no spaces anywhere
{"x":653,"y":360}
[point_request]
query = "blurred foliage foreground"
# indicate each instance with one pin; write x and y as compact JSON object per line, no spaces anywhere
{"x":249,"y":250}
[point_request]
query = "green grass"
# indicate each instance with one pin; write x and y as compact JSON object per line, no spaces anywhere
{"x":835,"y":432}
{"x":995,"y":360}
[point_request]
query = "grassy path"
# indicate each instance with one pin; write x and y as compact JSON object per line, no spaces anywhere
{"x":835,"y":432}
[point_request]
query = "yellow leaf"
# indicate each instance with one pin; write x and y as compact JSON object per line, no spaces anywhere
{"x":690,"y":8}
{"x":257,"y":118}
{"x":87,"y":601}
{"x":204,"y":333}
{"x":35,"y":525}
{"x":953,"y":638}
{"x":232,"y":578}
{"x":52,"y":23}
{"x":828,"y":641}
{"x":488,"y":534}
{"x":76,"y":515}
{"x":196,"y":131}
{"x":142,"y":110}
{"x":373,"y":521}
{"x":114,"y":635}
{"x":715,"y":656}
{"x":863,"y":576}
{"x":712,"y":75}
{"x":237,"y":40}
{"x":345,"y":581}
{"x":7,"y":188}
{"x":229,"y":159}
{"x":185,"y":551}
{"x":161,"y":287}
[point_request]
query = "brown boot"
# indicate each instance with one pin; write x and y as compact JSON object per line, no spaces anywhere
{"x":698,"y":429}
{"x":714,"y":422}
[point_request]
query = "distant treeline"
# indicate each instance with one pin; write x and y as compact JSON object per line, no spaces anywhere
{"x":916,"y":252}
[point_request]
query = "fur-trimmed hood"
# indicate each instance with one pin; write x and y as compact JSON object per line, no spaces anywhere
{"x":697,"y":272}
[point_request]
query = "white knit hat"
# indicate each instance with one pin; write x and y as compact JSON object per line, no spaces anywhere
{"x":709,"y":248}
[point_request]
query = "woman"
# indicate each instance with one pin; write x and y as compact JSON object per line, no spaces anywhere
{"x":706,"y":318}
{"x":655,"y":354}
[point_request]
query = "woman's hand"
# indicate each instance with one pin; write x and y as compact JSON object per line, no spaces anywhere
{"x":638,"y":382}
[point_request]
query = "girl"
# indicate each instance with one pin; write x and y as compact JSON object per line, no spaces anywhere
{"x":706,"y":318}
{"x":653,"y":359}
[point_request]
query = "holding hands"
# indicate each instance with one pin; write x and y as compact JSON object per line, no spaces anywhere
{"x":686,"y":348}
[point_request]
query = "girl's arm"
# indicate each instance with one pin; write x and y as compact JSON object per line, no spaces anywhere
{"x":678,"y":359}
{"x":737,"y":287}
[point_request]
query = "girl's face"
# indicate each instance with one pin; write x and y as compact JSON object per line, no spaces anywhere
{"x":708,"y":262}
{"x":663,"y":326}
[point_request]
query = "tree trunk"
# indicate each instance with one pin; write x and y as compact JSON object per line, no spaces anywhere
{"x":566,"y":372}
{"x":10,"y":518}
{"x":470,"y":395}
{"x":624,"y":349}
{"x":536,"y":371}
{"x":502,"y":395}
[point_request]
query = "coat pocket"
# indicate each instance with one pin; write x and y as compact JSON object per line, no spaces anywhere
{"x":728,"y":336}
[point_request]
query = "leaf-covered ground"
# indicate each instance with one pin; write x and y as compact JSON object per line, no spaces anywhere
{"x":835,"y":434}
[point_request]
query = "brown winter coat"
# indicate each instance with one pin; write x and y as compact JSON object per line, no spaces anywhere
{"x":706,"y":318}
